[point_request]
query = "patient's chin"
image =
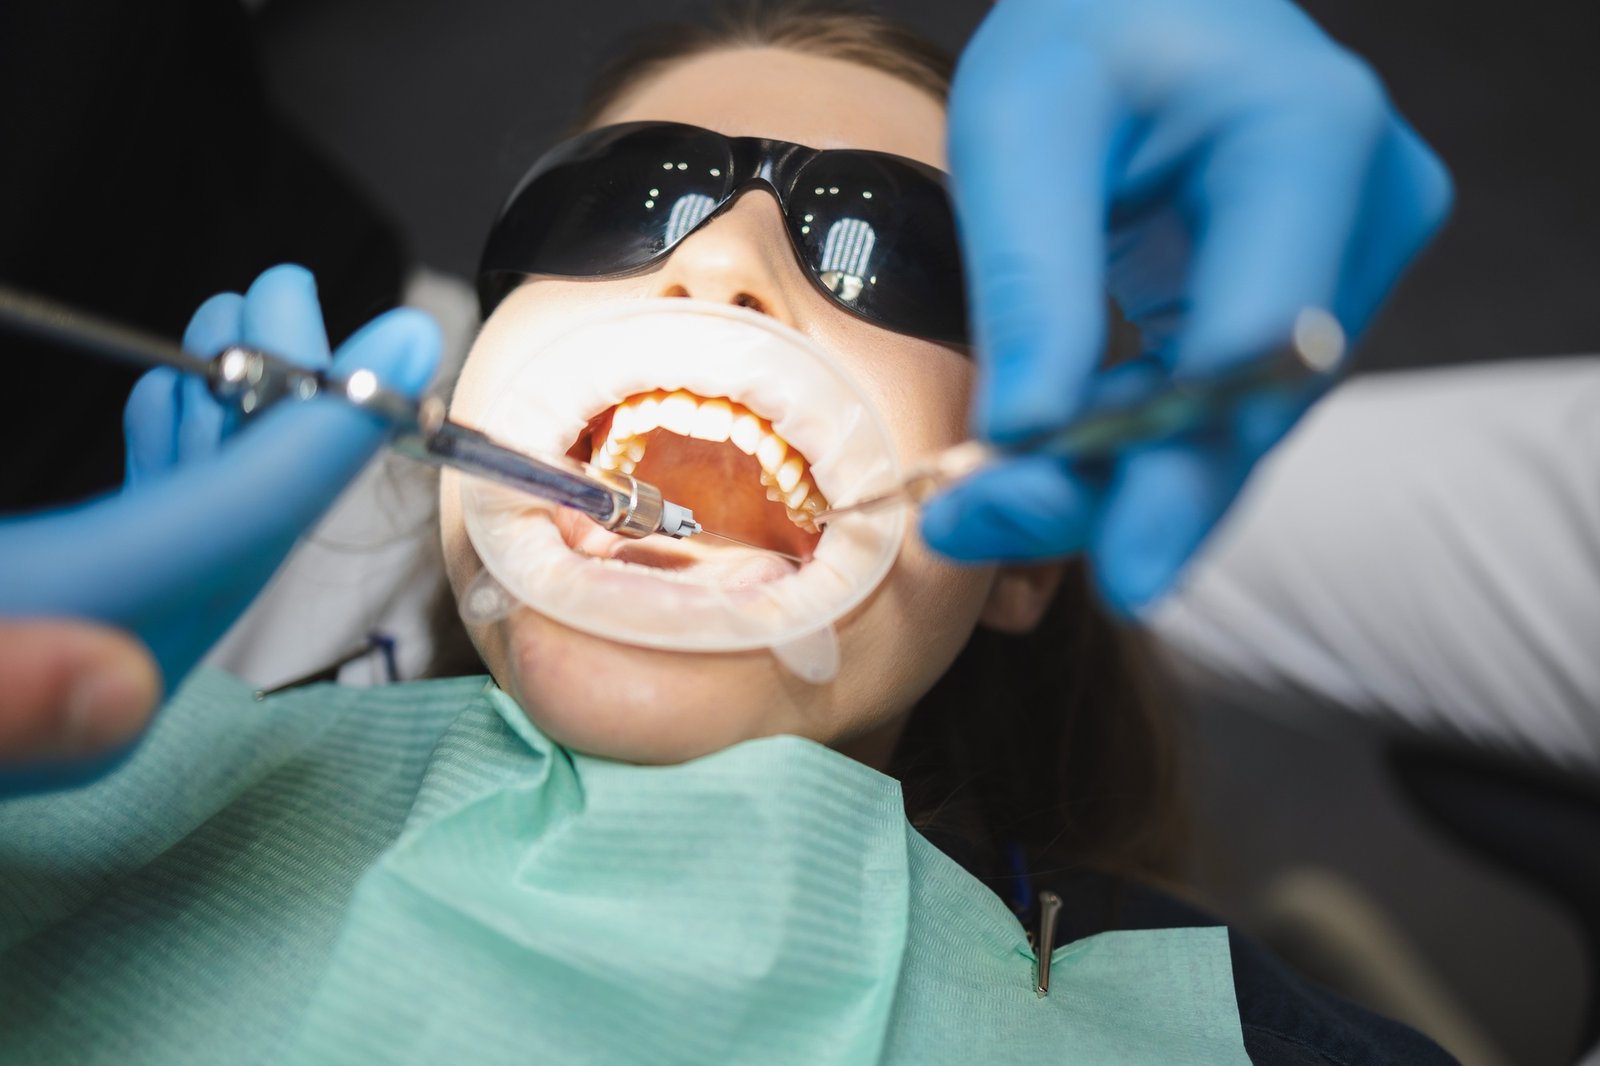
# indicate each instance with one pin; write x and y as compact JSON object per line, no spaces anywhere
{"x":642,"y":705}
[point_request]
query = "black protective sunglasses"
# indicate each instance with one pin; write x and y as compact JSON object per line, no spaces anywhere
{"x":874,"y":231}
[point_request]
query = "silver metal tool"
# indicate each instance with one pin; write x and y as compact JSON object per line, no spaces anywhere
{"x":1314,"y":351}
{"x":253,"y":380}
{"x":619,"y":502}
{"x":1049,"y":914}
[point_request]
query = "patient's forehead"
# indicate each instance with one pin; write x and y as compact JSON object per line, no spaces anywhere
{"x":792,"y":96}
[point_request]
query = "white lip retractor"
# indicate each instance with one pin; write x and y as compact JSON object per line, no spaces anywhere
{"x":709,"y":350}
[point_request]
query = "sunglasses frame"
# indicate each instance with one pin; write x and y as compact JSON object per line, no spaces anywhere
{"x":754,"y":163}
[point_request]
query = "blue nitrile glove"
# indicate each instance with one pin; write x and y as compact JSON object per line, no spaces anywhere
{"x":211,"y":507}
{"x":1217,"y":165}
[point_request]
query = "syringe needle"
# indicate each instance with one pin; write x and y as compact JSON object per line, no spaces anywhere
{"x":704,"y":532}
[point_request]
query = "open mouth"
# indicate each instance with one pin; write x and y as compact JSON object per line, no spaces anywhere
{"x":728,"y":413}
{"x":720,"y":459}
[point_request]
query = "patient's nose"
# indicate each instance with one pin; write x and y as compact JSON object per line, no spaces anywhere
{"x":742,"y":257}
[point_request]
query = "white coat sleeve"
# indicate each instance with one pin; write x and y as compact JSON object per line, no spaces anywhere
{"x":1425,"y":546}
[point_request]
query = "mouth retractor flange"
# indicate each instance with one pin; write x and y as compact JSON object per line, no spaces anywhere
{"x":709,"y":350}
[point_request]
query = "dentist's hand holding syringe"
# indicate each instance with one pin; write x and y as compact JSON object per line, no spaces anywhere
{"x":1218,"y":166}
{"x":209,"y":510}
{"x":133,"y":561}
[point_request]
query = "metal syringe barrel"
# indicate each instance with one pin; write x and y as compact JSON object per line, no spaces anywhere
{"x":617,"y":501}
{"x":439,"y":441}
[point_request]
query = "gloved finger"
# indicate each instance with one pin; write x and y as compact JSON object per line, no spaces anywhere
{"x":1277,"y":201}
{"x":1257,"y":423}
{"x":69,"y":692}
{"x":281,"y":315}
{"x":156,"y":421}
{"x":150,"y":426}
{"x":216,"y":324}
{"x":1408,"y":199}
{"x":401,"y":347}
{"x":1032,"y":235}
{"x":1163,"y":501}
{"x":1034,"y":507}
{"x":216,"y":530}
{"x":292,"y":461}
{"x":280,"y":473}
{"x":202,"y":421}
{"x":278,"y":314}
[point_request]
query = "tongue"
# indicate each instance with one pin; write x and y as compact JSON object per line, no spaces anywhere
{"x":722,"y":485}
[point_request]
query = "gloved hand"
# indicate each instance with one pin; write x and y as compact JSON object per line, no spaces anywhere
{"x":1217,"y":165}
{"x":209,"y":510}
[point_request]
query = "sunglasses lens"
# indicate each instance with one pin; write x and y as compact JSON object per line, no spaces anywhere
{"x":880,"y":237}
{"x":609,"y":202}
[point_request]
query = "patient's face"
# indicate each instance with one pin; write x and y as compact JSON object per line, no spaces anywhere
{"x":646,"y":705}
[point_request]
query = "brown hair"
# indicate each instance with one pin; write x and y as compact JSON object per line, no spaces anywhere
{"x":835,"y":29}
{"x":1059,"y":741}
{"x":1063,"y":741}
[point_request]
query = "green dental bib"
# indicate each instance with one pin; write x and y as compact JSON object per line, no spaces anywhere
{"x":416,"y":874}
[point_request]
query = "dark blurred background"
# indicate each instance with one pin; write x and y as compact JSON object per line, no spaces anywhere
{"x":438,"y":110}
{"x":157,"y":152}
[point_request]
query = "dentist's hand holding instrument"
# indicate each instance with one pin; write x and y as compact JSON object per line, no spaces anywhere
{"x":1218,"y":166}
{"x":205,"y":517}
{"x":1128,"y":411}
{"x":137,"y":561}
{"x":1247,"y":167}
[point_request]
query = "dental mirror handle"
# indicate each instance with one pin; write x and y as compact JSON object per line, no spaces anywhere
{"x":1314,"y":352}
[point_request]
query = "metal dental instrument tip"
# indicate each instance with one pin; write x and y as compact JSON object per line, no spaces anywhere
{"x":924,"y":481}
{"x":1315,"y":350}
{"x":1049,"y":911}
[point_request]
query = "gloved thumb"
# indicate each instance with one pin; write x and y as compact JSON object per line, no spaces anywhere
{"x":401,"y":347}
{"x":302,"y":455}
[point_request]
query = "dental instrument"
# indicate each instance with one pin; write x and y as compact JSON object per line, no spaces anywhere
{"x":1314,"y":352}
{"x":251,"y":380}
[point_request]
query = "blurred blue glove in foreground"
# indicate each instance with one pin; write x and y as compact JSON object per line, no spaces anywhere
{"x":210,"y":507}
{"x":1216,"y":165}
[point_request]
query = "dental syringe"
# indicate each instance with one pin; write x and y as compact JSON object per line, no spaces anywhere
{"x":1311,"y":357}
{"x":619,"y":502}
{"x":251,"y":380}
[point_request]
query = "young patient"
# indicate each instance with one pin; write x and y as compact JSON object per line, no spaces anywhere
{"x":584,"y":691}
{"x":416,"y":872}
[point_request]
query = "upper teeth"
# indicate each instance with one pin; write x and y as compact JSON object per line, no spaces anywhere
{"x":784,"y":472}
